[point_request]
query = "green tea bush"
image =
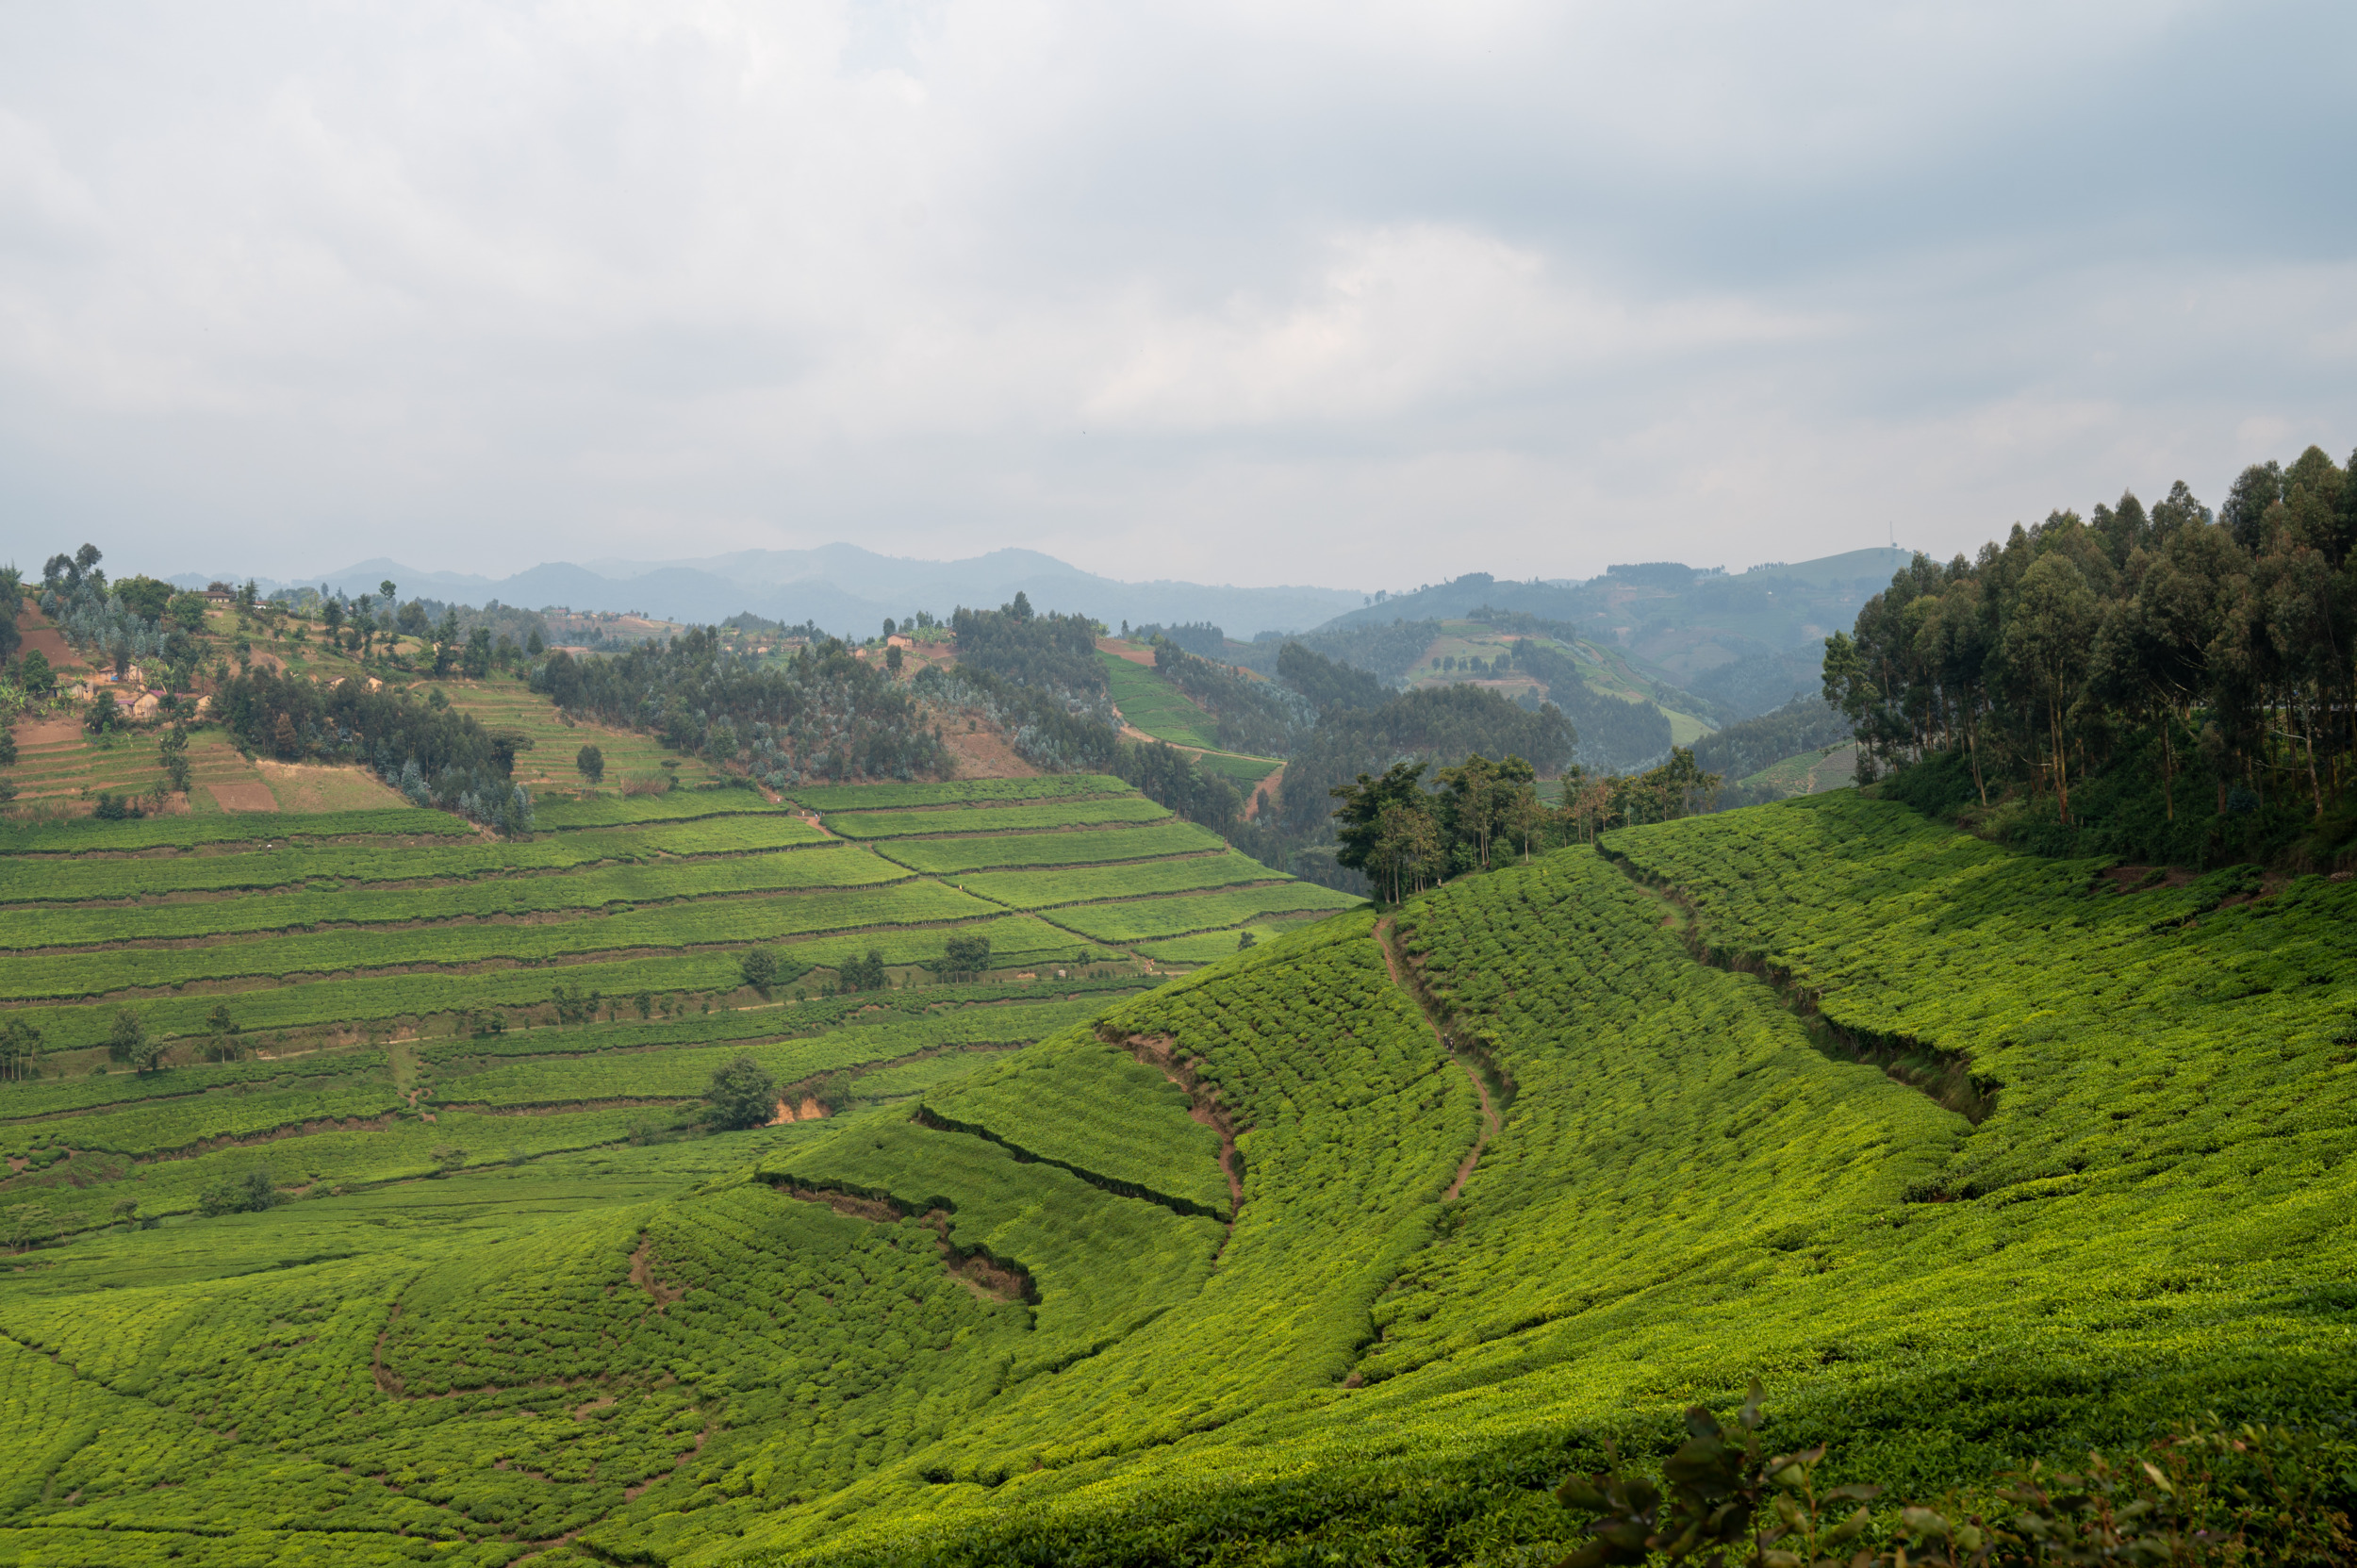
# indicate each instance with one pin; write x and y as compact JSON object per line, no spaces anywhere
{"x":1077,"y":812}
{"x":1132,"y":921}
{"x":1100,"y":846}
{"x":1045,"y":889}
{"x":832,"y":798}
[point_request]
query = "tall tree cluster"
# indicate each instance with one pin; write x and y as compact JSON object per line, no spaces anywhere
{"x":435,"y":755}
{"x":1056,"y":652}
{"x":824,"y":713}
{"x":2148,"y":676}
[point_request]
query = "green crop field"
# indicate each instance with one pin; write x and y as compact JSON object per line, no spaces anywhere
{"x":1343,"y":1247}
{"x":824,"y":798}
{"x":1139,"y":920}
{"x":988,"y":818}
{"x":1154,"y":705}
{"x":1042,"y":889}
{"x":946,"y":856}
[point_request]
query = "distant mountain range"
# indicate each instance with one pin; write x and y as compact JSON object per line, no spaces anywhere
{"x":1747,"y":640}
{"x":847,"y":591}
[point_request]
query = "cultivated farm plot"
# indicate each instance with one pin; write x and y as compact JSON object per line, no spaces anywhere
{"x":1810,"y":772}
{"x":684,"y":1073}
{"x":503,"y":703}
{"x":1143,"y":919}
{"x":454,"y":1048}
{"x":678,"y":806}
{"x":1209,"y":947}
{"x":1151,"y":703}
{"x":953,"y":792}
{"x":1508,"y":1167}
{"x":946,"y":856}
{"x":1013,"y":818}
{"x":1045,"y":889}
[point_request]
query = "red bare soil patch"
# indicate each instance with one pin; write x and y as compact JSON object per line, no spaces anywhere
{"x":1120,"y":650}
{"x":982,"y":752}
{"x":241,"y":795}
{"x":39,"y":633}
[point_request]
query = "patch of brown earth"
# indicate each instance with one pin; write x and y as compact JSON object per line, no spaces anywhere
{"x":642,"y":1274}
{"x":243,"y":794}
{"x":983,"y":752}
{"x":1129,"y":651}
{"x":1264,"y":794}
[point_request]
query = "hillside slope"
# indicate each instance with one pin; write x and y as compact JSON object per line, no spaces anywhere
{"x":1349,"y":1244}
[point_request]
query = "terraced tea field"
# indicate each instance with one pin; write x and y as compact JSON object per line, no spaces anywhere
{"x":1342,"y":1249}
{"x":1117,"y":869}
{"x":388,"y":924}
{"x":375,"y":964}
{"x":551,"y":741}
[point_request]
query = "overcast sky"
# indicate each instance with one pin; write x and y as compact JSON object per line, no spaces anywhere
{"x":1361,"y":295}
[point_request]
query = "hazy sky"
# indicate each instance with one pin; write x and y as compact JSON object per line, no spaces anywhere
{"x":1363,"y":294}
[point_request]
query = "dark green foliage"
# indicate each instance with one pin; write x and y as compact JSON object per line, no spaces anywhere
{"x":1614,"y":736}
{"x":435,"y":755}
{"x":2145,"y":679}
{"x":1259,"y":717}
{"x":1175,"y":779}
{"x":1386,"y":650}
{"x":824,"y":713}
{"x":1050,"y":725}
{"x":116,"y":808}
{"x":1056,"y":652}
{"x":963,"y":958}
{"x":247,"y":1195}
{"x":1441,"y":725}
{"x":1804,"y":725}
{"x":591,"y":764}
{"x":1199,"y":637}
{"x":1328,"y":682}
{"x":742,"y":1095}
{"x":126,"y":1035}
{"x":867,"y":974}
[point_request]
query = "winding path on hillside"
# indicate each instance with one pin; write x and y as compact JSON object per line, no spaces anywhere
{"x":1402,"y":978}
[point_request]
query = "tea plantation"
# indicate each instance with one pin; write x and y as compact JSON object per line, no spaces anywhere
{"x":1343,"y":1248}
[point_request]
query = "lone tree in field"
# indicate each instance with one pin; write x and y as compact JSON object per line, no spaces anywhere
{"x":592,"y":764}
{"x":221,"y":1034}
{"x":963,"y":958}
{"x":125,"y":1034}
{"x":20,"y":1049}
{"x":742,"y":1095}
{"x":759,"y":966}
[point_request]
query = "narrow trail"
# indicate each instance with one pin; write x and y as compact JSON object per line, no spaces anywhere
{"x":1489,"y":1121}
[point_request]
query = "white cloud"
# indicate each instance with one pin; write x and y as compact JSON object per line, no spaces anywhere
{"x":1226,"y":289}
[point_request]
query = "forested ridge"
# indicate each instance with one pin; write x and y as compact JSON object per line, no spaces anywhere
{"x":2167,"y":684}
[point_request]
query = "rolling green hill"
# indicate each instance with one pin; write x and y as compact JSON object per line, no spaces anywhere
{"x":1344,"y":1248}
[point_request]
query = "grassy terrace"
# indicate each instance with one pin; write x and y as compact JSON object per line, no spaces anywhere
{"x":1247,"y":1268}
{"x":1151,"y":705}
{"x":394,"y":929}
